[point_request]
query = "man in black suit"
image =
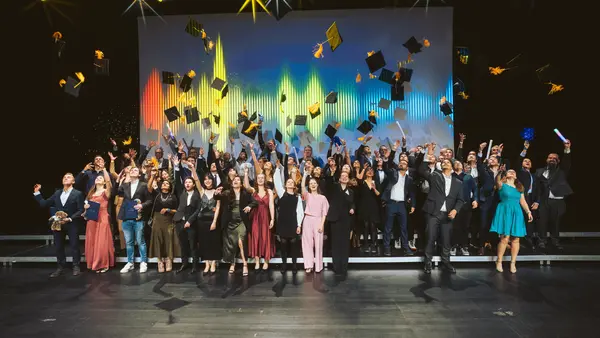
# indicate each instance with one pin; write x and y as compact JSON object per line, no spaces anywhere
{"x":163,"y":163}
{"x":136,"y":197}
{"x":550,"y":189}
{"x":86,"y":178}
{"x":69,"y":201}
{"x":488,"y":200}
{"x":185,"y":222}
{"x":341,"y":210}
{"x":527,"y":178}
{"x":443,"y":201}
{"x":399,"y":196}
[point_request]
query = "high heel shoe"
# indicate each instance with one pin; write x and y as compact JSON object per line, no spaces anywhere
{"x":513,"y":267}
{"x":232,"y":269}
{"x":161,"y":266}
{"x":265,"y":266}
{"x":245,"y":270}
{"x":168,"y":265}
{"x":499,"y":267}
{"x":206,"y":269}
{"x":213,"y":268}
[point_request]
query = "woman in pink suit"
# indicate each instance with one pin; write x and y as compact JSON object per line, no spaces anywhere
{"x":99,"y":249}
{"x":315,"y":214}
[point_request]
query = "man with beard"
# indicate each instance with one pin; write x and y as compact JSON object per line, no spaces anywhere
{"x":551,"y":188}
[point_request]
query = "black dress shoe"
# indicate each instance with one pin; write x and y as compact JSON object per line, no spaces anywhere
{"x":57,"y":273}
{"x":409,"y":253}
{"x":183,"y":266}
{"x":294,"y":268}
{"x":449,"y":268}
{"x":427,"y":268}
{"x":283,"y":268}
{"x":76,"y":270}
{"x":387,"y":252}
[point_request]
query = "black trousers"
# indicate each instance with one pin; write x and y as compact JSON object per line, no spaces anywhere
{"x":417,"y":222}
{"x":289,"y":247}
{"x":530,"y":226}
{"x":551,"y":211}
{"x":461,"y":226}
{"x":60,"y":240}
{"x":340,"y":245}
{"x":487,"y":210}
{"x":438,"y":225}
{"x":188,"y":241}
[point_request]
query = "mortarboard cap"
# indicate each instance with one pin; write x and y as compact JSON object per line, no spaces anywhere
{"x":217,"y":119}
{"x":314,"y":110}
{"x":365,"y":127}
{"x":334,"y":37}
{"x":186,"y":83}
{"x":192,"y":115}
{"x":168,"y":78}
{"x":330,"y":131}
{"x":446,"y":108}
{"x":71,"y":87}
{"x":242,"y":117}
{"x":413,"y":45}
{"x":249,"y":132}
{"x":193,"y":28}
{"x":217,"y":84}
{"x":288,"y":121}
{"x":384,"y":103}
{"x":375,"y":62}
{"x":300,"y":120}
{"x":397,"y":92}
{"x":405,"y":74}
{"x":60,"y":47}
{"x":399,"y":114}
{"x":278,"y":136}
{"x":282,"y":98}
{"x":278,"y":8}
{"x":206,"y":123}
{"x":546,"y":74}
{"x":252,"y":117}
{"x":387,"y":76}
{"x":331,"y":97}
{"x":101,"y":66}
{"x":172,"y":114}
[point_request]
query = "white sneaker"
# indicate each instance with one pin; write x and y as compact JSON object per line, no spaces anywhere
{"x":453,"y":251}
{"x":464,"y":251}
{"x":411,"y":245}
{"x":128,"y":267}
{"x":397,"y":244}
{"x":143,"y":267}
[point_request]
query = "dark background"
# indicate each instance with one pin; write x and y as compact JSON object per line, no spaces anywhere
{"x":65,"y":132}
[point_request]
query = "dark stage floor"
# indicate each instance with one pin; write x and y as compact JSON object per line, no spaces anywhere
{"x":401,"y":301}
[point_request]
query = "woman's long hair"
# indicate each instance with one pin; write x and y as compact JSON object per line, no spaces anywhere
{"x":256,"y":183}
{"x":518,"y":184}
{"x":93,"y":191}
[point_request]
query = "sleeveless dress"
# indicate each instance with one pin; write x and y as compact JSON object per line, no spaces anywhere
{"x":235,"y":231}
{"x":99,"y":248}
{"x":210,"y":241}
{"x":260,"y":237}
{"x":509,"y":219}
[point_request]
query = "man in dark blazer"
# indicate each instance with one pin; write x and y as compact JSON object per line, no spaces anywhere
{"x":86,"y":178}
{"x":527,"y":178}
{"x":136,"y":197}
{"x":185,"y":220}
{"x":399,"y":196}
{"x":341,"y":211}
{"x":441,"y":206}
{"x":69,"y":201}
{"x":163,"y":163}
{"x":488,"y":199}
{"x":550,"y":189}
{"x":462,"y":223}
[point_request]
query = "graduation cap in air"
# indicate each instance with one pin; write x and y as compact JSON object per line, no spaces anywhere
{"x":332,"y":97}
{"x":250,"y":129}
{"x":384,"y":103}
{"x":314,"y":110}
{"x":206,"y":123}
{"x":172,"y":114}
{"x":334,"y":37}
{"x":72,"y":87}
{"x":375,"y":61}
{"x":101,"y":65}
{"x":445,"y":106}
{"x":192,"y":115}
{"x":330,"y":131}
{"x":282,"y":98}
{"x":405,"y":74}
{"x":217,"y":119}
{"x":278,"y":136}
{"x":399,"y":114}
{"x":546,"y":74}
{"x":373,"y":117}
{"x":253,"y":117}
{"x":397,"y":92}
{"x":234,"y":132}
{"x":221,"y":86}
{"x":288,"y":121}
{"x":279,"y":8}
{"x":193,"y":28}
{"x":60,"y":47}
{"x":365,"y":127}
{"x":168,"y":78}
{"x":413,"y":45}
{"x":300,"y":120}
{"x":387,"y":76}
{"x":186,"y":82}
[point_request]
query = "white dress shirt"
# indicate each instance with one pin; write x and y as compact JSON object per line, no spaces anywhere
{"x":189,"y":197}
{"x":474,"y":172}
{"x":447,"y":185}
{"x":64,"y":196}
{"x":551,"y":196}
{"x":217,"y":179}
{"x":397,"y":192}
{"x":134,"y":185}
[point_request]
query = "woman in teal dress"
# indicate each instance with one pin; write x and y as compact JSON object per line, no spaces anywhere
{"x":509,"y":221}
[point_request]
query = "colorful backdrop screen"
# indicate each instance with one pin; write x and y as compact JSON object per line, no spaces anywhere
{"x":262,"y":60}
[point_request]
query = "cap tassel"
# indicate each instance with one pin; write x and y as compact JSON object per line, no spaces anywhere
{"x":57,"y":36}
{"x":464,"y":95}
{"x":191,"y":74}
{"x":358,"y":78}
{"x":252,"y":126}
{"x":62,"y":83}
{"x":372,"y":76}
{"x":231,"y":125}
{"x":99,"y":54}
{"x":80,"y":77}
{"x":127,"y":141}
{"x":555,"y":88}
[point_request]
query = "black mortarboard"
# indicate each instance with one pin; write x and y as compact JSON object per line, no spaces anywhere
{"x":282,"y":98}
{"x":168,"y":78}
{"x":278,"y":8}
{"x":206,"y":122}
{"x":172,"y":114}
{"x":384,"y":103}
{"x":225,"y":91}
{"x":278,"y":136}
{"x":71,"y":87}
{"x":372,"y":119}
{"x":252,"y":117}
{"x":330,"y":131}
{"x":242,"y":118}
{"x":387,"y":76}
{"x":365,"y":127}
{"x":314,"y":110}
{"x":192,"y":115}
{"x":446,"y":108}
{"x":221,"y":86}
{"x":193,"y":28}
{"x":413,"y":45}
{"x":288,"y":121}
{"x":217,"y":119}
{"x":252,"y":133}
{"x":375,"y":62}
{"x":186,"y":83}
{"x":334,"y":37}
{"x":331,"y":97}
{"x":101,"y":66}
{"x":546,"y":74}
{"x":397,"y":92}
{"x":405,"y":74}
{"x":300,"y":120}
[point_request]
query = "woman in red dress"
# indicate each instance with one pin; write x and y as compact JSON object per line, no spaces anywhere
{"x":260,"y":244}
{"x":99,"y":249}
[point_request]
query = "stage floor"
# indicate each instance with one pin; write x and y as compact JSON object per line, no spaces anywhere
{"x":557,"y":301}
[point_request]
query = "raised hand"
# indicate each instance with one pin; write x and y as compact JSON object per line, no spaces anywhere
{"x":201,"y":151}
{"x":526,"y":145}
{"x":247,"y":209}
{"x":482,"y":146}
{"x":132,"y":152}
{"x":231,"y":139}
{"x":151,"y":144}
{"x":88,"y":167}
{"x":36,"y":188}
{"x":567,"y":144}
{"x":462,"y":137}
{"x":112,"y":157}
{"x":500,"y":148}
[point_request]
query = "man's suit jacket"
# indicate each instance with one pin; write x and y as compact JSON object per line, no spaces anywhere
{"x":469,"y":187}
{"x":556,"y":182}
{"x":409,"y":187}
{"x":185,"y":212}
{"x":141,"y":193}
{"x":487,"y":182}
{"x":73,"y":207}
{"x":527,"y":178}
{"x":437,"y":192}
{"x":340,"y":203}
{"x":380,"y":184}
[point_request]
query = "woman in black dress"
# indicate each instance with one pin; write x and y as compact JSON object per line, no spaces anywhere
{"x":368,"y":210}
{"x":208,"y":233}
{"x":289,"y":223}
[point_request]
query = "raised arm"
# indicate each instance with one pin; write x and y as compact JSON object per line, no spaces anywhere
{"x":108,"y":183}
{"x":257,"y":168}
{"x":278,"y":181}
{"x":299,"y":212}
{"x":525,"y":207}
{"x":44,"y":203}
{"x":303,"y":184}
{"x":460,"y":149}
{"x":247,"y":181}
{"x":111,"y":166}
{"x":565,"y":163}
